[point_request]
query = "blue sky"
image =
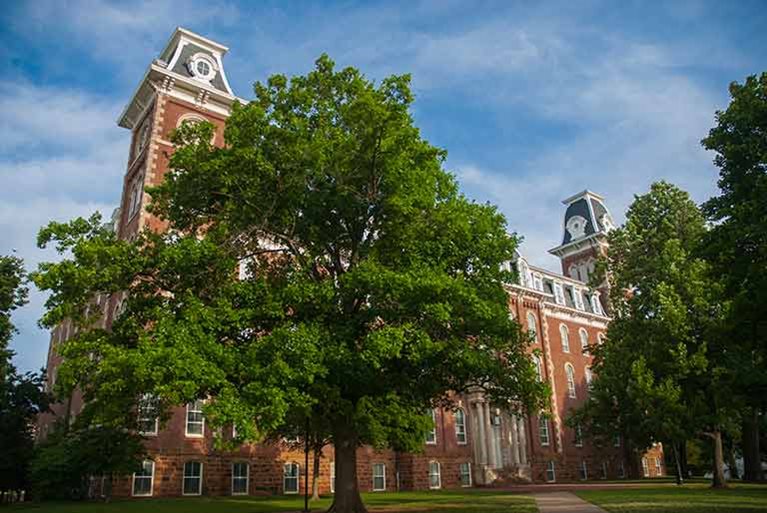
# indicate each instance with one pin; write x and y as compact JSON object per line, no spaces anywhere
{"x":534,"y":101}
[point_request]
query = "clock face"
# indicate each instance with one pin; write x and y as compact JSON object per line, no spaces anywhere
{"x":576,"y":227}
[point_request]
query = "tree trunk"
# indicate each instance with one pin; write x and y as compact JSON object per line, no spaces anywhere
{"x":718,"y":480}
{"x":679,"y":475}
{"x":752,"y":464}
{"x":683,"y":458}
{"x":347,"y":497}
{"x":316,"y":474}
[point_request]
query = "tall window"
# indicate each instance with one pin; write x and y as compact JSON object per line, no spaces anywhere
{"x":538,"y":367}
{"x":195,"y":422}
{"x":578,"y":299}
{"x":460,"y":426}
{"x":464,"y":473}
{"x":240,"y":474}
{"x":431,"y":436}
{"x":645,"y":468}
{"x":596,"y":305}
{"x":332,"y":477}
{"x":578,"y":435}
{"x":621,"y":470}
{"x":559,"y":293}
{"x":379,"y":477}
{"x":147,"y":415}
{"x":583,"y":471}
{"x":537,"y":281}
{"x":584,"y":340}
{"x":192,"y":478}
{"x":564,"y":334}
{"x":570,"y":372}
{"x":589,"y":378}
{"x":604,"y":470}
{"x":143,"y":480}
{"x":551,"y":474}
{"x":658,"y":469}
{"x":435,"y":477}
{"x":290,"y":477}
{"x":543,"y":430}
{"x":532,"y":326}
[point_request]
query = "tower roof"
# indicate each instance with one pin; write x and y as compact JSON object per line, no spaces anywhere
{"x":191,"y":65}
{"x":586,"y":217}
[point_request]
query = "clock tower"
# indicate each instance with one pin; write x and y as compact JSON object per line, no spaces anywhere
{"x":586,"y":224}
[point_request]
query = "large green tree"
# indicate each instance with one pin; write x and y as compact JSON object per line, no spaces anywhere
{"x":370,"y":288}
{"x":21,"y":394}
{"x":737,"y":245}
{"x":662,"y":373}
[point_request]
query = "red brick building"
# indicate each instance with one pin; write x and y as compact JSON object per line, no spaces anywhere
{"x":477,"y":444}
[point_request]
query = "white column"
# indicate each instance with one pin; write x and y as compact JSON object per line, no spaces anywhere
{"x":481,"y":438}
{"x":522,"y":440}
{"x":514,"y":440}
{"x":490,"y":437}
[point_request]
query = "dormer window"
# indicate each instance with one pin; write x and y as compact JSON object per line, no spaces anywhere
{"x":576,"y":226}
{"x":578,"y":299}
{"x":559,"y":293}
{"x":538,"y":282}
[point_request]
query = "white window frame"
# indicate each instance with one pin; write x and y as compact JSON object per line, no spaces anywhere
{"x":191,"y":476}
{"x":461,"y":434}
{"x":570,"y":374}
{"x":285,"y":478}
{"x":377,"y":466}
{"x":438,"y":474}
{"x":538,"y":281}
{"x":431,"y":436}
{"x":551,"y":472}
{"x":538,"y":367}
{"x":332,"y":477}
{"x":559,"y":293}
{"x":143,"y":411}
{"x":583,"y":474}
{"x":604,"y":469}
{"x":658,"y":468}
{"x":564,"y":334}
{"x":532,"y":325}
{"x":467,"y":466}
{"x":201,"y":434}
{"x":622,"y":470}
{"x":543,"y":431}
{"x":240,"y":478}
{"x":578,"y":299}
{"x":584,"y":336}
{"x":589,"y":377}
{"x":596,"y":306}
{"x":151,"y":481}
{"x":645,"y":468}
{"x":578,"y":435}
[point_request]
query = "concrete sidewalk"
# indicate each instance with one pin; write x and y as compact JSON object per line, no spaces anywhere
{"x":564,"y":502}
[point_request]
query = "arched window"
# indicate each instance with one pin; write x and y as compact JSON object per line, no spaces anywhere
{"x":584,"y":340}
{"x":460,"y":426}
{"x":431,"y":436}
{"x":565,"y":336}
{"x":532,"y":325}
{"x":570,"y":373}
{"x":538,"y":367}
{"x":589,"y":377}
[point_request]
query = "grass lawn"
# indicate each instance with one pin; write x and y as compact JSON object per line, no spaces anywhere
{"x":690,"y":498}
{"x":463,"y":501}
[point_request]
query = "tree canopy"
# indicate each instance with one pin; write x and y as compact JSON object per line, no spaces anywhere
{"x":369,"y":289}
{"x":662,"y":373}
